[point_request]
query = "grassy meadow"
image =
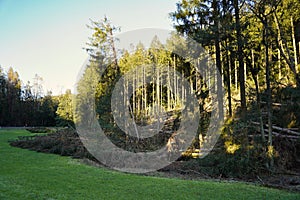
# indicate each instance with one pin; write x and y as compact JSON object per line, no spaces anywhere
{"x":26,"y":174}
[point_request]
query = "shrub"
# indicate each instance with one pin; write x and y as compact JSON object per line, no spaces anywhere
{"x":38,"y":130}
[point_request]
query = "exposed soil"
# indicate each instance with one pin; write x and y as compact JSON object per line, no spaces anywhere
{"x":66,"y":142}
{"x":289,"y":181}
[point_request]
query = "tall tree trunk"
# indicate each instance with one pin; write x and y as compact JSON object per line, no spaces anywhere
{"x":157,"y":92}
{"x":153,"y":92}
{"x":133,"y":95}
{"x":228,"y":82}
{"x":182,"y":87}
{"x":279,"y":65}
{"x":208,"y":73}
{"x":285,"y":51}
{"x":216,"y":16}
{"x":269,"y":93}
{"x":161,"y":90}
{"x":299,"y":49}
{"x":294,"y":44}
{"x":191,"y":85}
{"x":175,"y":86}
{"x":254,"y":73}
{"x":145,"y":92}
{"x":168,"y":89}
{"x":112,"y":43}
{"x":245,"y":71}
{"x":219,"y":79}
{"x":138,"y":95}
{"x":125,"y":95}
{"x":142,"y":89}
{"x":236,"y":75}
{"x":240,"y":57}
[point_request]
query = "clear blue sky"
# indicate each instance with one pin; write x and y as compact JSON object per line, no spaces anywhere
{"x":46,"y":37}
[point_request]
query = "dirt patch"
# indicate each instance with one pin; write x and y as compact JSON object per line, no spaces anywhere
{"x":288,"y":180}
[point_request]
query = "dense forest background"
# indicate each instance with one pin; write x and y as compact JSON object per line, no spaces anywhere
{"x":255,"y":45}
{"x":27,"y":105}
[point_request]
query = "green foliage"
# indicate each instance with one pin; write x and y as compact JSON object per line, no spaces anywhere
{"x":287,"y":113}
{"x":38,"y":130}
{"x":65,"y":109}
{"x":241,"y":152}
{"x":234,"y":155}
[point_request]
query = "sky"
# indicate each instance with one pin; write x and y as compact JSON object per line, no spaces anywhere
{"x":47,"y":37}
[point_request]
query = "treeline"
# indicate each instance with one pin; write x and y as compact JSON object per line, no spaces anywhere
{"x":26,"y":105}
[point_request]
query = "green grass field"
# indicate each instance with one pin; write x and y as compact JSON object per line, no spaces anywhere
{"x":30,"y":175}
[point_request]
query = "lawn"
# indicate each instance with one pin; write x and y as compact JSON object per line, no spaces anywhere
{"x":30,"y":175}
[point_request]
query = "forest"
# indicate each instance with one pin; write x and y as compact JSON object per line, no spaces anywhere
{"x":253,"y":45}
{"x":26,"y":105}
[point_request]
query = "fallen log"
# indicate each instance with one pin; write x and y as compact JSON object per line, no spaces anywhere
{"x":284,"y":130}
{"x":281,"y":135}
{"x":274,"y":104}
{"x":277,"y":135}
